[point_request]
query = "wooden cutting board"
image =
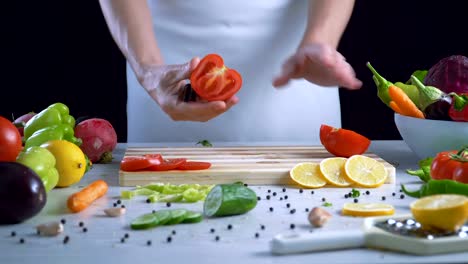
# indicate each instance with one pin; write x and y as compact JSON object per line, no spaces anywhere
{"x":266,"y":165}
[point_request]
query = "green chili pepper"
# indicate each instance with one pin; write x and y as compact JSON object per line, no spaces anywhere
{"x":383,"y":86}
{"x":432,"y":187}
{"x":54,"y":132}
{"x":55,"y":114}
{"x":424,"y":171}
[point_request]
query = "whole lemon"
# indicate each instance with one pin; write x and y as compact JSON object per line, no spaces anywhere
{"x":70,"y":161}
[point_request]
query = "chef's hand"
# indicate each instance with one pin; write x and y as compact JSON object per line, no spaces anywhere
{"x":164,"y":83}
{"x":319,"y":64}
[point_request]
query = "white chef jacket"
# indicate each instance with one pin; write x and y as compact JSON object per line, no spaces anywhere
{"x":254,"y":37}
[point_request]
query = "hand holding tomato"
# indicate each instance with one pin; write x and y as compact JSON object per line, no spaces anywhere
{"x":164,"y":83}
{"x":319,"y":64}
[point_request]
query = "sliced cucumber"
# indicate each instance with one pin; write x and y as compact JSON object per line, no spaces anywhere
{"x":163,"y":216}
{"x":145,"y":221}
{"x":192,"y":217}
{"x":229,"y":199}
{"x":177,"y":216}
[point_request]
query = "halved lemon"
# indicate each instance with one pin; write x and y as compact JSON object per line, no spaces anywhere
{"x":367,"y":209}
{"x":333,"y":171}
{"x":365,"y":171}
{"x":447,"y":212}
{"x":307,"y":174}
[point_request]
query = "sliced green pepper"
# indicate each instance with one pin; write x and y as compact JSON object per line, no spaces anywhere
{"x":54,"y":132}
{"x":55,"y":114}
{"x":41,"y":161}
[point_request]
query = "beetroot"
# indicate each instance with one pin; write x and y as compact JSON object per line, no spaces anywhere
{"x":22,"y":120}
{"x":99,"y":139}
{"x":449,"y":75}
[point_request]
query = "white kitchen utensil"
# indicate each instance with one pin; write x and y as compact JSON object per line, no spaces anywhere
{"x":396,"y":233}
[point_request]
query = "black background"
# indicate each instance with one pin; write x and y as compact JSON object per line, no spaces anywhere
{"x":62,"y":51}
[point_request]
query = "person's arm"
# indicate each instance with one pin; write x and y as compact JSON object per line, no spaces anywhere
{"x":130,"y":24}
{"x":316,"y":58}
{"x":326,"y":21}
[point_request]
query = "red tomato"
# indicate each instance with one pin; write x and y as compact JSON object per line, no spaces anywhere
{"x":135,"y":163}
{"x":10,"y":140}
{"x":452,"y":165}
{"x":213,"y":81}
{"x":167,"y":164}
{"x":194,"y":165}
{"x":343,"y":142}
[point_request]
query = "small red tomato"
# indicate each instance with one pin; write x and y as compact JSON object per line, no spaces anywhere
{"x":452,"y":165}
{"x":10,"y":140}
{"x":343,"y":142}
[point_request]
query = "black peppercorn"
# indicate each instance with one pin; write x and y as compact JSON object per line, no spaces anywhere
{"x":292,"y":226}
{"x":229,"y":227}
{"x":63,"y":221}
{"x":169,"y":239}
{"x":281,"y":198}
{"x":288,"y":205}
{"x":284,"y":189}
{"x":262,"y":227}
{"x":268,"y":197}
{"x":311,"y":192}
{"x":154,"y":211}
{"x":168,"y":204}
{"x":258,"y":198}
{"x":245,"y":184}
{"x":301,"y":191}
{"x":269,"y":191}
{"x":212,"y":230}
{"x":285,"y":197}
{"x":323,"y":199}
{"x":257,"y":235}
{"x":402,"y":196}
{"x":80,"y":224}
{"x":148,"y":200}
{"x":115,"y":204}
{"x":123,"y":206}
{"x":22,"y":241}
{"x":271,"y":209}
{"x":119,"y":202}
{"x":173,"y":232}
{"x":122,"y":240}
{"x":346,"y":196}
{"x":148,"y":242}
{"x":85,"y":229}
{"x":274,"y":193}
{"x":13,"y":233}
{"x":217,"y":238}
{"x":307,"y":209}
{"x":367,"y":192}
{"x":383,"y":198}
{"x":126,"y":235}
{"x":66,"y":239}
{"x":356,"y":200}
{"x":393,"y":194}
{"x":292,"y":211}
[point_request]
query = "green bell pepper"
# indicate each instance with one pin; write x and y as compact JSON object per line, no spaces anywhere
{"x":42,"y":162}
{"x":55,"y":114}
{"x":54,"y":132}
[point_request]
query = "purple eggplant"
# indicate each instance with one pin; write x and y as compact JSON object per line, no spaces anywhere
{"x":22,"y":193}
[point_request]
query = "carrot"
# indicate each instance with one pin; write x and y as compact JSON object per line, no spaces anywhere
{"x":82,"y":199}
{"x":395,"y":107}
{"x":404,"y":103}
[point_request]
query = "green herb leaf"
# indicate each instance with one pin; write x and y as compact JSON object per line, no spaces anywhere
{"x":205,"y":143}
{"x":355,"y":193}
{"x":327,"y":204}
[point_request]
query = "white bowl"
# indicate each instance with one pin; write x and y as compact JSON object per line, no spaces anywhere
{"x":427,"y":137}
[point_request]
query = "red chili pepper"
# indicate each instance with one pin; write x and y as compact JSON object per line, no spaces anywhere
{"x":459,"y":110}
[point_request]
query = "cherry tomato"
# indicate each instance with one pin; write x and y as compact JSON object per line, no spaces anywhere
{"x":452,"y":165}
{"x":194,"y":165}
{"x":10,"y":140}
{"x":213,"y":81}
{"x":167,"y":164}
{"x":343,"y":142}
{"x":136,"y":163}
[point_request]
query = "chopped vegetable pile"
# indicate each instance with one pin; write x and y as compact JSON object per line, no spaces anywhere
{"x":161,"y":192}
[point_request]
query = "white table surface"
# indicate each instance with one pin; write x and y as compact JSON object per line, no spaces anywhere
{"x":193,"y":243}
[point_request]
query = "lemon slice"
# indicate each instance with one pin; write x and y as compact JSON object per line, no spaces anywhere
{"x":446,"y":212}
{"x":365,"y":172}
{"x":333,"y":171}
{"x":307,"y":174}
{"x":367,"y":209}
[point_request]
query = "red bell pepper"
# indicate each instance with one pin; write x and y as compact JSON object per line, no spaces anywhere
{"x":458,"y":110}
